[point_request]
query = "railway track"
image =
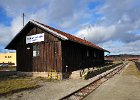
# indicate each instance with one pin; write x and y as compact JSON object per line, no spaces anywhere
{"x":86,"y":90}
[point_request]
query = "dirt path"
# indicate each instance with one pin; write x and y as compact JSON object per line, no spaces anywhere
{"x":124,"y":86}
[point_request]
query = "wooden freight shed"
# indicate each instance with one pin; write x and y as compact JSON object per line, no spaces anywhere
{"x":42,"y":51}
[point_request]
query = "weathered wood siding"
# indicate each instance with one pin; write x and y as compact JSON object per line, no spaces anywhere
{"x":54,"y":54}
{"x":49,"y":54}
{"x":75,"y":56}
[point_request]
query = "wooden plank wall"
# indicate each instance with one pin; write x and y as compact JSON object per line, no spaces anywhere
{"x":24,"y":57}
{"x":55,"y":54}
{"x":49,"y":58}
{"x":75,"y":56}
{"x":49,"y":54}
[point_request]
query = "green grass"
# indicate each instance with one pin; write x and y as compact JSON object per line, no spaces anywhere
{"x":10,"y":85}
{"x":132,"y":70}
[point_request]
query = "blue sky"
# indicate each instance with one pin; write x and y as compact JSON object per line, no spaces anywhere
{"x":4,"y":19}
{"x":111,"y":24}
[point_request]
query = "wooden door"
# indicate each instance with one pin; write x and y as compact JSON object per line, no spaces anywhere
{"x":28,"y":57}
{"x":53,"y":55}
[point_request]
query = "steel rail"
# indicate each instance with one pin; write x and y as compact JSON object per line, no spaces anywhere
{"x":87,"y":89}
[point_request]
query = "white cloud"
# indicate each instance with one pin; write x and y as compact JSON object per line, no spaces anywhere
{"x":109,"y":20}
{"x":5,"y":35}
{"x":97,"y":34}
{"x":114,"y":10}
{"x":60,"y":13}
{"x":118,"y":22}
{"x":16,"y":25}
{"x":15,"y":8}
{"x":117,"y":47}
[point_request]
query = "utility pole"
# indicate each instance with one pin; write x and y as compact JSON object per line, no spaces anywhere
{"x":23,"y":19}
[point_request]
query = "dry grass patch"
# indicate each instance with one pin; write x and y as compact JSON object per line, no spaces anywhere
{"x":44,"y":79}
{"x":132,"y":70}
{"x":11,"y":85}
{"x":10,"y":68}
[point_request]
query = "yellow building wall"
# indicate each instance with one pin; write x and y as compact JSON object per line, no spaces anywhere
{"x":8,"y":58}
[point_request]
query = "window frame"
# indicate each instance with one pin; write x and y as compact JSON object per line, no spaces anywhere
{"x":36,"y":50}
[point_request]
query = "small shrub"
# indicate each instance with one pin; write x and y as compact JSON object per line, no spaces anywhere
{"x":90,"y":74}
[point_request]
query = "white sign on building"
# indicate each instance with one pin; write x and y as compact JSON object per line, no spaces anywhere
{"x":35,"y":38}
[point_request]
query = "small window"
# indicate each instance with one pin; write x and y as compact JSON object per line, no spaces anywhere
{"x":5,"y":56}
{"x":35,"y":50}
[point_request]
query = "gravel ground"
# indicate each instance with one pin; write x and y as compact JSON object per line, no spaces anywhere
{"x":120,"y":87}
{"x":49,"y":90}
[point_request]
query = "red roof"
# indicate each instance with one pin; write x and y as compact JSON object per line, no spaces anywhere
{"x":73,"y":38}
{"x":58,"y":33}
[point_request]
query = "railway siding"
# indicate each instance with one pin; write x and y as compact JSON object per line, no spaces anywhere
{"x":97,"y":81}
{"x":123,"y":86}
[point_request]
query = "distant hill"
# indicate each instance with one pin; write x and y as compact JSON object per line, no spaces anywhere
{"x":123,"y":57}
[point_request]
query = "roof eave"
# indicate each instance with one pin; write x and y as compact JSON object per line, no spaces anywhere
{"x":106,"y":51}
{"x":51,"y":31}
{"x":8,"y":45}
{"x":41,"y":26}
{"x":90,"y":46}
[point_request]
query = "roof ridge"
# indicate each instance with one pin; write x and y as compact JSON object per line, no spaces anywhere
{"x":71,"y":37}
